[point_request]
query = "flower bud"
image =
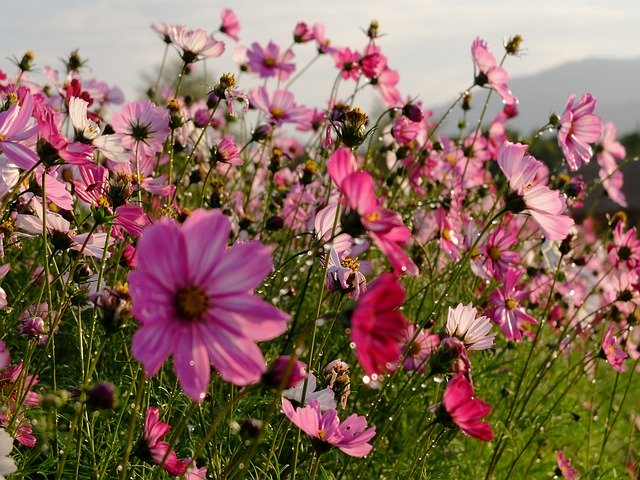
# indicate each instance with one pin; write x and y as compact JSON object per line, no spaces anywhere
{"x":102,"y":397}
{"x":285,"y":372}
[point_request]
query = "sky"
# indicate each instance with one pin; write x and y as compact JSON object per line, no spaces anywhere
{"x":427,"y":41}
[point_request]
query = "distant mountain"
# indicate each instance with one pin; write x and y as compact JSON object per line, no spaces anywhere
{"x":614,"y":83}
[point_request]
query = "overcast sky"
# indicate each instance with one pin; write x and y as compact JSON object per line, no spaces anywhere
{"x":427,"y":41}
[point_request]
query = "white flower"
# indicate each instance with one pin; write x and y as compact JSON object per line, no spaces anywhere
{"x":7,"y":465}
{"x":463,"y":324}
{"x":324,"y":397}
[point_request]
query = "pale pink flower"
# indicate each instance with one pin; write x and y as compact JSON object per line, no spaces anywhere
{"x":530,"y":194}
{"x":280,"y":105}
{"x":16,"y":126}
{"x":324,"y":397}
{"x":195,"y":302}
{"x":7,"y":465}
{"x":143,"y":127}
{"x":463,"y":323}
{"x":347,"y":62}
{"x":579,"y":127}
{"x":195,"y":44}
{"x":608,"y":152}
{"x":490,"y":72}
{"x":270,"y":61}
{"x":350,"y":436}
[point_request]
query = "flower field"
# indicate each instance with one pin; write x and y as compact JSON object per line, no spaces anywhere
{"x":238,"y":285}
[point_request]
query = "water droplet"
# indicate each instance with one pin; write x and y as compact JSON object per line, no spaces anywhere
{"x":192,"y":363}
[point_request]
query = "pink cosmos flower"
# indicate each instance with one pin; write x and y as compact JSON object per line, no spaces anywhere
{"x":270,"y":62}
{"x":377,"y":327}
{"x":350,"y":436}
{"x":417,"y":354}
{"x":15,"y":128}
{"x":280,"y":105}
{"x":497,"y":251}
{"x":579,"y":127}
{"x":608,"y":152}
{"x":344,"y":275}
{"x":463,"y":323}
{"x":195,"y":44}
{"x":53,"y":145}
{"x":347,"y":62}
{"x":625,"y":249}
{"x":17,"y":386}
{"x":230,"y":24}
{"x":227,"y":152}
{"x":194,"y":302}
{"x":614,"y":353}
{"x":530,"y":195}
{"x":564,"y":466}
{"x":508,"y":311}
{"x":157,"y":448}
{"x":490,"y":72}
{"x":466,"y":411}
{"x":385,"y":227}
{"x":143,"y":126}
{"x":302,"y":33}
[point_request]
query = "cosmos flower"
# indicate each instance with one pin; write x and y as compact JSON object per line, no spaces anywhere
{"x":350,"y":436}
{"x":195,"y":302}
{"x":463,"y":323}
{"x":608,"y":152}
{"x":508,"y":311}
{"x":230,"y":24}
{"x":377,"y":327}
{"x":564,"y":466}
{"x":143,"y":126}
{"x":7,"y":465}
{"x":270,"y":61}
{"x":159,"y":450}
{"x":579,"y":127}
{"x":530,"y":194}
{"x":280,"y":106}
{"x":490,"y":72}
{"x":464,"y":410}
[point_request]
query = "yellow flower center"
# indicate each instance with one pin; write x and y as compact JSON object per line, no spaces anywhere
{"x":351,"y":263}
{"x":494,"y":253}
{"x":372,"y":217}
{"x":191,"y":303}
{"x":277,"y":112}
{"x":321,"y":434}
{"x":511,"y":303}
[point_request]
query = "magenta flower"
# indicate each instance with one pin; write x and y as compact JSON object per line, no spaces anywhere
{"x":270,"y":61}
{"x":490,"y":72}
{"x":347,"y":62}
{"x":497,"y":251}
{"x":350,"y":436}
{"x":564,"y":466}
{"x":579,"y":127}
{"x":464,"y":410}
{"x":377,"y":327}
{"x":230,"y":24}
{"x":143,"y":126}
{"x":625,"y":249}
{"x":385,"y":227}
{"x":157,"y":449}
{"x":194,"y":302}
{"x":16,"y":127}
{"x":613,"y":351}
{"x":508,"y":311}
{"x":530,"y":195}
{"x":280,"y":106}
{"x":417,"y":354}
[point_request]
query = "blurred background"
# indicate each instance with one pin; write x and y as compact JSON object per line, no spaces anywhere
{"x":574,"y":46}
